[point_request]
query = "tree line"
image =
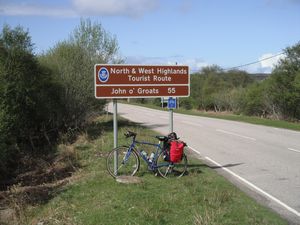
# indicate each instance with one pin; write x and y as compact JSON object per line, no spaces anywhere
{"x":44,"y":96}
{"x":276,"y":97}
{"x":236,"y":91}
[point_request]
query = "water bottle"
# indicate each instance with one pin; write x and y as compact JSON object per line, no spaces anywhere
{"x":144,"y":154}
{"x":151,"y":157}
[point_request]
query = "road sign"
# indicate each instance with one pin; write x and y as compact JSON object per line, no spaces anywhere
{"x":141,"y":81}
{"x":172,"y":104}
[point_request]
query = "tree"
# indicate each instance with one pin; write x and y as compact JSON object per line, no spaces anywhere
{"x":98,"y":44}
{"x":25,"y":88}
{"x":212,"y":88}
{"x":283,"y":87}
{"x":237,"y":78}
{"x":186,"y":103}
{"x":279,"y":95}
{"x":253,"y":100}
{"x":236,"y":99}
{"x":197,"y":90}
{"x":72,"y":62}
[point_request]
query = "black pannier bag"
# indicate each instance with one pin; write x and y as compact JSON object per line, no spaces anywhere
{"x":172,"y":136}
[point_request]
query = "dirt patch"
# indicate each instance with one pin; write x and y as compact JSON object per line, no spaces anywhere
{"x":42,"y":179}
{"x":8,"y":215}
{"x":129,"y":180}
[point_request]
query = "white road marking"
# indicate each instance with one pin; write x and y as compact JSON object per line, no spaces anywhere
{"x":238,"y":135}
{"x":194,"y":150}
{"x":294,"y":150}
{"x":191,"y":123}
{"x":256,"y":188}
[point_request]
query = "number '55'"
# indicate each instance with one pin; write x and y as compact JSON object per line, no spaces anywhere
{"x":171,"y":90}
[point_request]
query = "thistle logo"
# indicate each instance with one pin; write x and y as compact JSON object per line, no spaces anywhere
{"x":103,"y":74}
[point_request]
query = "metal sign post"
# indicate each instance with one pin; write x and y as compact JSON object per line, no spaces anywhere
{"x":170,"y":120}
{"x":115,"y":110}
{"x":171,"y":105}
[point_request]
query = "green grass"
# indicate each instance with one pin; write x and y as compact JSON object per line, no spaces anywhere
{"x":241,"y":118}
{"x":94,"y":197}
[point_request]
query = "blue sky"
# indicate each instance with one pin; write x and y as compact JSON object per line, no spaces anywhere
{"x":191,"y":32}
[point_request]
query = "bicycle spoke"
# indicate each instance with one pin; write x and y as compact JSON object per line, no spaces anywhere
{"x":128,"y":162}
{"x":169,"y":169}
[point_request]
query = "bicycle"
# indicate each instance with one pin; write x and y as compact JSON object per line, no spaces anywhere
{"x":125,"y":160}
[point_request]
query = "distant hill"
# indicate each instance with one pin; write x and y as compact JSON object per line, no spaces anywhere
{"x":256,"y":76}
{"x":259,"y":76}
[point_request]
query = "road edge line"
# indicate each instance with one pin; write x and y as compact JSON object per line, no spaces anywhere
{"x":290,"y":209}
{"x":294,"y":150}
{"x":194,"y":150}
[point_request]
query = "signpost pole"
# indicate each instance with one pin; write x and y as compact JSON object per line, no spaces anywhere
{"x":171,"y":120}
{"x":171,"y":106}
{"x":115,"y":110}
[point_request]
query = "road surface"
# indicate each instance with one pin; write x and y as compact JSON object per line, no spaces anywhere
{"x":263,"y":161}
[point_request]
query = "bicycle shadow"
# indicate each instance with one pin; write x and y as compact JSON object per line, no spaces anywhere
{"x":198,"y":168}
{"x":152,"y":126}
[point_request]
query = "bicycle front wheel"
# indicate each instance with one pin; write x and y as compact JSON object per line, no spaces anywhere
{"x":120,"y":162}
{"x":168,"y":169}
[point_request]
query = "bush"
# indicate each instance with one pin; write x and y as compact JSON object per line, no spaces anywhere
{"x":186,"y":103}
{"x":28,"y":96}
{"x":72,"y":62}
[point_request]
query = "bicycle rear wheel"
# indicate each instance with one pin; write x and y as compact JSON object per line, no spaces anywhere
{"x":168,"y":169}
{"x":126,"y":164}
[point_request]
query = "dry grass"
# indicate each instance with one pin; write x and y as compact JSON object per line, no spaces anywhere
{"x":44,"y":180}
{"x":206,"y":219}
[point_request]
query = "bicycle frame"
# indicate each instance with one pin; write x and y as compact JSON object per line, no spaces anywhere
{"x":129,"y":161}
{"x":152,"y":164}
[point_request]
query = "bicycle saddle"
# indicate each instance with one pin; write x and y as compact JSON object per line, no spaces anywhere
{"x":130,"y":134}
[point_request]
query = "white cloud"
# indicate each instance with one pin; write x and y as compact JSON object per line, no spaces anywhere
{"x":195,"y":64}
{"x":132,"y":8}
{"x":265,"y":63}
{"x":271,"y":60}
{"x":24,"y":9}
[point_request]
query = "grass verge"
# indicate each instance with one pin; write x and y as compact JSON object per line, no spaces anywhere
{"x":233,"y":117}
{"x":202,"y":197}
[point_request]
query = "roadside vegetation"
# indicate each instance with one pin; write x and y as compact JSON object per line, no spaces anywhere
{"x":92,"y":196}
{"x":237,"y":95}
{"x":226,"y":116}
{"x":46,"y":99}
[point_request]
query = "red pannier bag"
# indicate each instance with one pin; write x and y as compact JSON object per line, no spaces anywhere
{"x":176,"y":151}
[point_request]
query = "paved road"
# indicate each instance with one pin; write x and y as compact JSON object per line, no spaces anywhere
{"x":261,"y":160}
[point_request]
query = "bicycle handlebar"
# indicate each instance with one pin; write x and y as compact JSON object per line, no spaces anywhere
{"x":130,"y":134}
